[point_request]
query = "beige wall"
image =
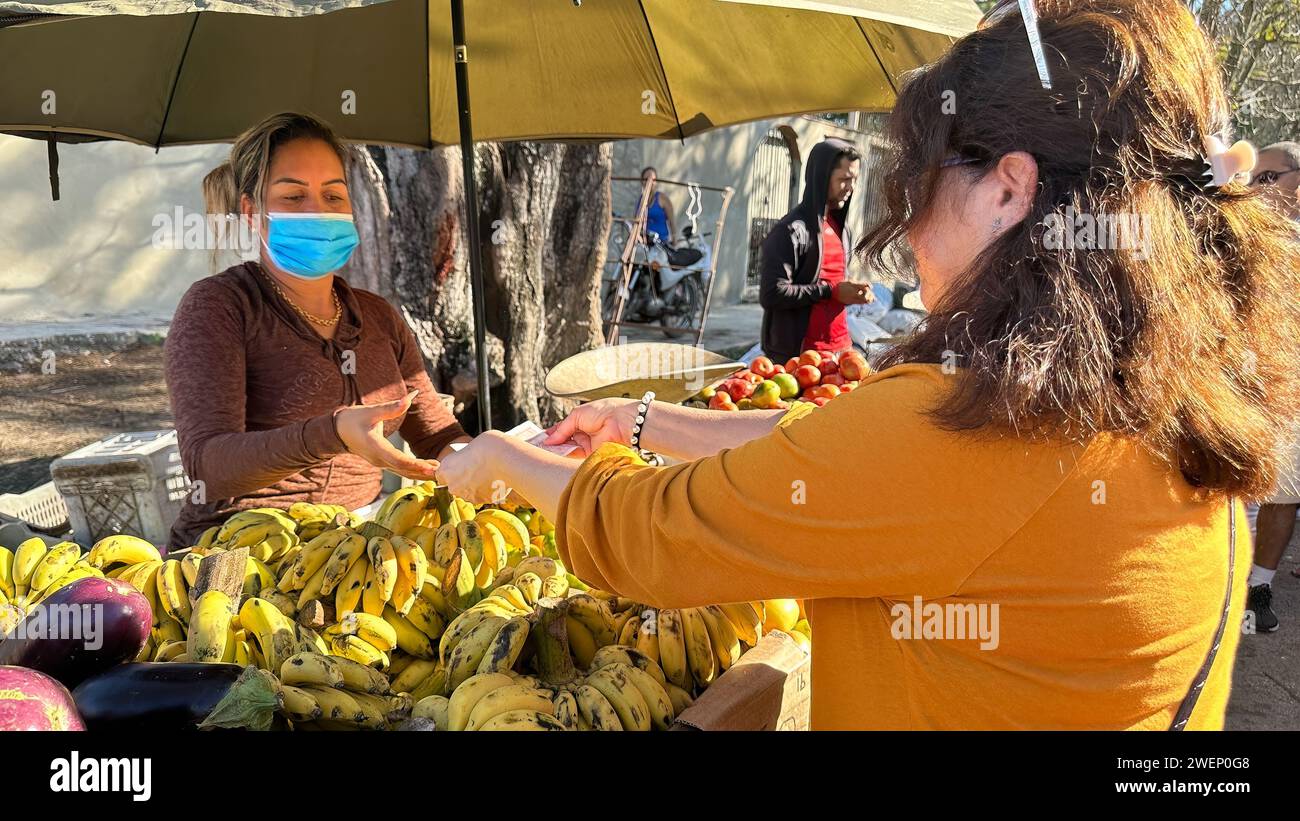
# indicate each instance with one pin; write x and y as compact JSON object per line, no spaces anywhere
{"x":90,"y":252}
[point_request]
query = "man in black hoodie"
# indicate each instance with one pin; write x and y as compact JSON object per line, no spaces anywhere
{"x":802,"y":285}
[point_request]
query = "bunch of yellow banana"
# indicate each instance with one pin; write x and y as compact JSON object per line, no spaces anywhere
{"x":267,"y":532}
{"x":692,"y":645}
{"x":33,"y":571}
{"x":333,"y":692}
{"x":622,"y":690}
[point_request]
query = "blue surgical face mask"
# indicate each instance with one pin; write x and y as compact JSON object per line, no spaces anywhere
{"x":310,"y":245}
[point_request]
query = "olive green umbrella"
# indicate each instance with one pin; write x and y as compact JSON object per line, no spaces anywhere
{"x":397,"y":72}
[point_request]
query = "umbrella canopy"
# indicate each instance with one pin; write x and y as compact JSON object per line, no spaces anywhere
{"x":171,"y":72}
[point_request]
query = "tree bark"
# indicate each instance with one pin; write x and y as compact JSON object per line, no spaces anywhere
{"x":544,"y":214}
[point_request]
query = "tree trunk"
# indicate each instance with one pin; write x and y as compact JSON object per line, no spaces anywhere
{"x":544,"y":214}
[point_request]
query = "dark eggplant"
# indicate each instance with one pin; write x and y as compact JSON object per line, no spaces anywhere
{"x":170,"y":696}
{"x":80,"y":630}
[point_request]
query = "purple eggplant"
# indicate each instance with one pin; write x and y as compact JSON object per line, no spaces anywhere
{"x":80,"y":630}
{"x":171,"y":696}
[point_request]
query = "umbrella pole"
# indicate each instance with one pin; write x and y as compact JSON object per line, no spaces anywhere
{"x":471,"y":211}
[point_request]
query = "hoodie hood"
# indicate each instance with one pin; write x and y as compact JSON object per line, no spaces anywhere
{"x":822,"y":160}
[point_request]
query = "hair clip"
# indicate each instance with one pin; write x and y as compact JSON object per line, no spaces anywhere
{"x":1029,"y":14}
{"x":1225,"y":164}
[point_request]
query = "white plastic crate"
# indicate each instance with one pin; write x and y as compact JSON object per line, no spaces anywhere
{"x":41,"y":506}
{"x":130,"y":483}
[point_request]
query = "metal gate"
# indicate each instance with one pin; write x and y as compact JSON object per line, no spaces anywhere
{"x":773,"y":191}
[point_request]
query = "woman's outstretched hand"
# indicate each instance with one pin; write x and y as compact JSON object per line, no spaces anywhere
{"x":591,"y":425}
{"x":361,"y":427}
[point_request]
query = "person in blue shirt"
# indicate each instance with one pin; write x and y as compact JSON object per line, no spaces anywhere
{"x":659,"y":215}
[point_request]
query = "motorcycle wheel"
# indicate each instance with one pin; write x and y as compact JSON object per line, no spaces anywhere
{"x":685,"y":303}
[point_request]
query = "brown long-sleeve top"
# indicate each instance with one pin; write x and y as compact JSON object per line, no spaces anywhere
{"x":254,"y":390}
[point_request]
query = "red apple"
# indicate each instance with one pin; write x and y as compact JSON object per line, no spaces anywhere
{"x":721,"y":401}
{"x":777,"y":369}
{"x":828,"y":367}
{"x":808,"y":375}
{"x":854,"y":368}
{"x":848,"y":386}
{"x":813,"y":358}
{"x":834,"y":379}
{"x":827,"y":391}
{"x":792,"y":365}
{"x":807,"y":394}
{"x":820,"y":401}
{"x":738,"y":388}
{"x":763,"y":367}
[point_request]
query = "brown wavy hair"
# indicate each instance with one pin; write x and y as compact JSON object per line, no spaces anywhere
{"x":1194,"y":349}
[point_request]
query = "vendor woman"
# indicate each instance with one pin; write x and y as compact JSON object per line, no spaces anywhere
{"x":284,"y":380}
{"x":1056,"y":458}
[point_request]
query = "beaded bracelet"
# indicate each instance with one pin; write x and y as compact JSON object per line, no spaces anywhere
{"x":642,"y":410}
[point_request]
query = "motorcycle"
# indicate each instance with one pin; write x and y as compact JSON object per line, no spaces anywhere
{"x":667,"y":284}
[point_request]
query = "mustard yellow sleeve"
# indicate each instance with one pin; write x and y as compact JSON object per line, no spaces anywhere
{"x":861,"y":498}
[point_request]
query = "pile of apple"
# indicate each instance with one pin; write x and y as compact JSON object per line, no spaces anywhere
{"x":814,"y":376}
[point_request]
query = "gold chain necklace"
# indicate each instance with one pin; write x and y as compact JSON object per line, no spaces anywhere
{"x":338,"y":306}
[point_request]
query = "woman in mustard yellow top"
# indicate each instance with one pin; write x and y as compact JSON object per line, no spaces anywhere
{"x":1058,"y":445}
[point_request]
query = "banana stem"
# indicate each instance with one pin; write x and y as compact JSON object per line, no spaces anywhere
{"x":551,"y":636}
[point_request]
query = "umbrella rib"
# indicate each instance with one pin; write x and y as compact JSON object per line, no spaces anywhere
{"x":888,"y":78}
{"x":176,"y":80}
{"x":663,"y":72}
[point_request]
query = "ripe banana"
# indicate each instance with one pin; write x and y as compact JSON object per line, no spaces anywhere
{"x":555,"y":587}
{"x":702,"y":660}
{"x":384,"y":559}
{"x":172,"y":593}
{"x":566,"y":709}
{"x":348,"y":592}
{"x":374,"y":630}
{"x":209,"y":632}
{"x":595,"y":709}
{"x":190,"y":567}
{"x":340,"y":562}
{"x":407,"y":636}
{"x":745,"y":621}
{"x":656,"y":697}
{"x":609,"y":654}
{"x":28,"y":555}
{"x":505,"y":699}
{"x":465,"y":697}
{"x":361,"y":678}
{"x":469,"y":652}
{"x":721,"y":635}
{"x":270,"y":630}
{"x":622,"y":694}
{"x":121,"y":548}
{"x":169,"y":651}
{"x":7,"y":572}
{"x":595,"y":615}
{"x":360,"y":651}
{"x":679,"y":697}
{"x":672,"y":648}
{"x":299,"y":704}
{"x":530,"y":585}
{"x":505,"y":647}
{"x":582,"y":644}
{"x":508,"y":525}
{"x":425,"y":617}
{"x":523,"y":721}
{"x":412,"y":567}
{"x":55,"y":563}
{"x":627,"y":635}
{"x":338,"y":705}
{"x":647,"y":636}
{"x":433,"y":708}
{"x":372,"y":594}
{"x":303,"y":669}
{"x":415,"y":674}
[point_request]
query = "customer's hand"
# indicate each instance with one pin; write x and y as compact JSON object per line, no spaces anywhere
{"x":478,"y":471}
{"x":361,"y":427}
{"x":591,"y":425}
{"x":853,"y":293}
